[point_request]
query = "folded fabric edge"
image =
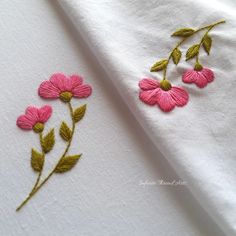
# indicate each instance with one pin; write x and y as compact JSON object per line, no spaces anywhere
{"x":135,"y":113}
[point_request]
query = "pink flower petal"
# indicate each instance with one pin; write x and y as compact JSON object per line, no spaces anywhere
{"x":44,"y":113}
{"x":24,"y":123}
{"x":61,"y":82}
{"x":189,"y":76}
{"x":31,"y":113}
{"x":150,"y":97}
{"x":48,"y":90}
{"x":148,"y":84}
{"x":76,"y":80}
{"x":201,"y":80}
{"x":179,"y":95}
{"x":82,"y":91}
{"x":28,"y":120}
{"x":165,"y":101}
{"x":208,"y":74}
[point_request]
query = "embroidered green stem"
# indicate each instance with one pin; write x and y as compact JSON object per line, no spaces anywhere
{"x":208,"y":27}
{"x":37,"y":180}
{"x":38,"y":186}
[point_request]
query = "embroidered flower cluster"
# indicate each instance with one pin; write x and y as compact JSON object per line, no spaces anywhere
{"x":163,"y":93}
{"x":62,"y":87}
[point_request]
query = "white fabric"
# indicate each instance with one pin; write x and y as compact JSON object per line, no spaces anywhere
{"x":127,"y":37}
{"x":103,"y":195}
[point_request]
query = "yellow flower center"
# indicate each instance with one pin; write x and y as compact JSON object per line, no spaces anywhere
{"x":66,"y":96}
{"x":38,"y":127}
{"x":165,"y":85}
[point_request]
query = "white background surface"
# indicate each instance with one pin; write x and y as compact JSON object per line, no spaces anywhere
{"x":102,"y":194}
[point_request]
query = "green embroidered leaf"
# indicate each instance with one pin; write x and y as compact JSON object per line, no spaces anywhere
{"x":184,"y":32}
{"x":192,"y":51}
{"x":67,"y":163}
{"x":207,"y":42}
{"x":176,"y":55}
{"x":37,"y":160}
{"x":79,"y":113}
{"x":48,"y":141}
{"x":160,"y":65}
{"x":65,"y":132}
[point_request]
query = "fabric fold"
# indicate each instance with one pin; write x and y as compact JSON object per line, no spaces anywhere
{"x":198,"y":140}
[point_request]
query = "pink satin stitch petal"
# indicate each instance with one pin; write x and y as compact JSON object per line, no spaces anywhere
{"x":45,"y":113}
{"x":189,"y":76}
{"x":24,"y":123}
{"x":148,"y":84}
{"x":48,"y":90}
{"x":201,"y":80}
{"x":82,"y":91}
{"x":61,"y":82}
{"x":31,"y":113}
{"x":149,"y":96}
{"x":165,"y":101}
{"x":76,"y":80}
{"x":179,"y":95}
{"x":208,"y":74}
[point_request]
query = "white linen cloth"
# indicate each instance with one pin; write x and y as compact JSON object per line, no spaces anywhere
{"x":105,"y":193}
{"x":198,"y":140}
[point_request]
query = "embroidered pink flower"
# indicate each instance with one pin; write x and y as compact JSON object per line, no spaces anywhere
{"x":199,"y":75}
{"x":34,"y":118}
{"x":162,"y":94}
{"x":64,"y":87}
